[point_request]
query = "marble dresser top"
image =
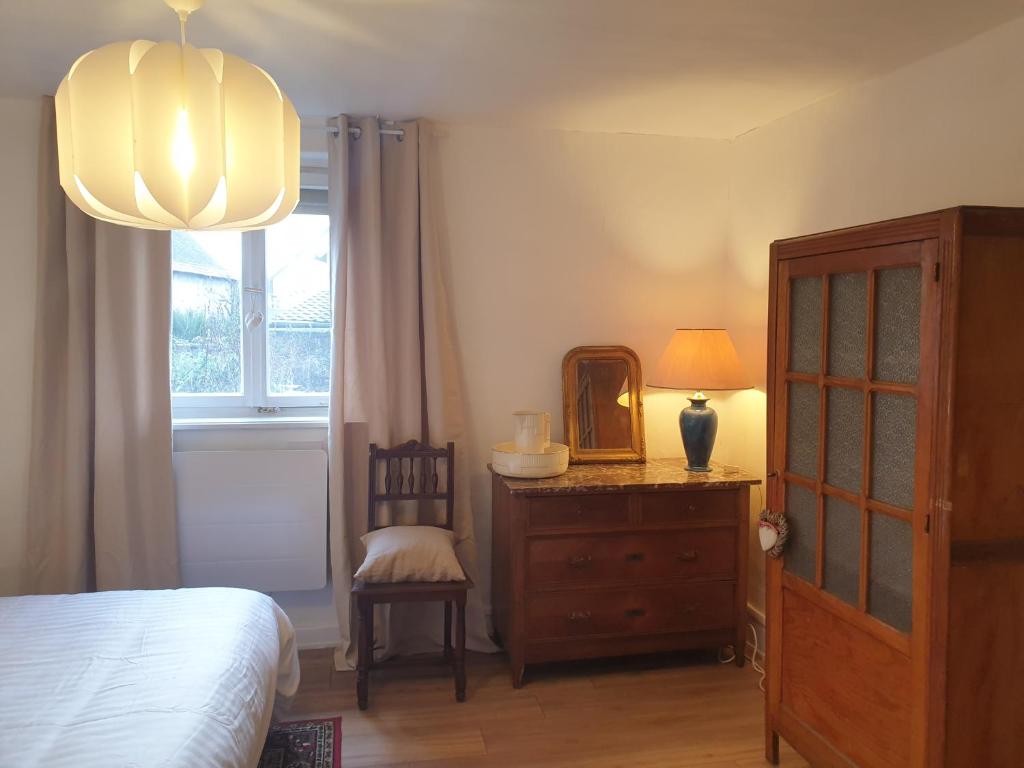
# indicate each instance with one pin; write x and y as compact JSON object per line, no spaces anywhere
{"x":656,"y":474}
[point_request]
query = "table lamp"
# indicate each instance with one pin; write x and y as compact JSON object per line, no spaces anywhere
{"x":699,"y":359}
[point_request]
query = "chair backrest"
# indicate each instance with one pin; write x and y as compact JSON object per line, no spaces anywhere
{"x":402,"y":481}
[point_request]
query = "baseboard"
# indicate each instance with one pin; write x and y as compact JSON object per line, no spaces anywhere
{"x":308,"y":638}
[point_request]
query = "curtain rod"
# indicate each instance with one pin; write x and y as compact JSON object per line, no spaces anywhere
{"x":356,"y":131}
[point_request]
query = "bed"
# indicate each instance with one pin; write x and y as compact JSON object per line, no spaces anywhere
{"x":186,"y":677}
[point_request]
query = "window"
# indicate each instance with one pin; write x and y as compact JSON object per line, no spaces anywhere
{"x":251,"y":316}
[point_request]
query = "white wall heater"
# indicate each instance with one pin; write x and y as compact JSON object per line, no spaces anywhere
{"x":253,"y":519}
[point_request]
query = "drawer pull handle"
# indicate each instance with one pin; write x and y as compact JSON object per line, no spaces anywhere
{"x":579,"y":511}
{"x":688,"y":556}
{"x":635,"y":613}
{"x":578,"y":616}
{"x":692,"y":608}
{"x":579,"y":561}
{"x":693,"y":507}
{"x":635,"y":557}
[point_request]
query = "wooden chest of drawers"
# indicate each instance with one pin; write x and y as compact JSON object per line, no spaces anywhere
{"x":617,"y":559}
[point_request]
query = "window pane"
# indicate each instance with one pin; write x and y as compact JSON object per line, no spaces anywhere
{"x":802,"y":435}
{"x":844,"y":453}
{"x":802,"y":545}
{"x":842,"y":549}
{"x":898,"y":324}
{"x":893,"y":448}
{"x":848,"y":324}
{"x":890,"y":596}
{"x":805,"y":325}
{"x":206,"y":326}
{"x":298,"y":306}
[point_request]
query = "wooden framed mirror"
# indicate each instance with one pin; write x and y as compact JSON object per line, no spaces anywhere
{"x":602,"y":406}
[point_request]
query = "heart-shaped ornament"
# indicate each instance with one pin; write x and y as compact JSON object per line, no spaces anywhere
{"x":253,"y":320}
{"x":768,"y":534}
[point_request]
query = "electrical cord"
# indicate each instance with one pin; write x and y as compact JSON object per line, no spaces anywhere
{"x":759,"y":668}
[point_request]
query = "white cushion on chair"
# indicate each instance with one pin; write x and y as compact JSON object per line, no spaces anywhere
{"x":410,"y":553}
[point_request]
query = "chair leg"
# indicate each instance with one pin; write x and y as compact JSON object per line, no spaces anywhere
{"x":365,"y":611}
{"x":460,"y":650}
{"x":448,"y":631}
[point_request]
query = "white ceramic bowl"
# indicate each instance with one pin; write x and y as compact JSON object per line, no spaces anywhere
{"x":553,"y":460}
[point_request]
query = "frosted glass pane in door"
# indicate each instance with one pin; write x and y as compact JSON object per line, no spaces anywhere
{"x":848,"y":324}
{"x":842,"y":549}
{"x":802,"y":544}
{"x":893,"y":448}
{"x":805,"y":325}
{"x":890,"y":586}
{"x":897,"y":324}
{"x":802,"y":433}
{"x":844,"y":442}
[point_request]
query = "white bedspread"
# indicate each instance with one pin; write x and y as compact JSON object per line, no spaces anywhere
{"x":184,"y":677}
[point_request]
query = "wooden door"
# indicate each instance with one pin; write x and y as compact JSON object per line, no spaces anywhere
{"x":852,"y":389}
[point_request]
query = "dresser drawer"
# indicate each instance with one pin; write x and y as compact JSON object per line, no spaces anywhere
{"x":580,"y":613}
{"x":668,"y":508}
{"x":584,"y":511}
{"x":610,"y":558}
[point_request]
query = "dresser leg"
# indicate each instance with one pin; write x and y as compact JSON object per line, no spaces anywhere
{"x":517,"y":661}
{"x":518,"y":671}
{"x":771,"y":745}
{"x":740,"y":649}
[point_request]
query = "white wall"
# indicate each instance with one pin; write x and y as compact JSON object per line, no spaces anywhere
{"x":19,"y":142}
{"x":559,"y":239}
{"x":944,"y":131}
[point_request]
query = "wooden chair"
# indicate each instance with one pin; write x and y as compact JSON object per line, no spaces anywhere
{"x":402,"y":485}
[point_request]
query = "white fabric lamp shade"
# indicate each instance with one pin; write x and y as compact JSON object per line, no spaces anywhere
{"x":167,"y":136}
{"x":699,"y":359}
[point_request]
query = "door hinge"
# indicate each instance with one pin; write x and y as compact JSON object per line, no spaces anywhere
{"x":937,"y":270}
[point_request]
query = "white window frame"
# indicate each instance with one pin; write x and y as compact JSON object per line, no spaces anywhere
{"x":255,"y":399}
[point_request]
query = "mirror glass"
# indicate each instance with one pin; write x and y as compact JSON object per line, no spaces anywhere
{"x":603,"y":407}
{"x":601,"y":420}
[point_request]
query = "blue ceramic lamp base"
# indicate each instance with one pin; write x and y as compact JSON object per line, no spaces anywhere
{"x":698,"y":424}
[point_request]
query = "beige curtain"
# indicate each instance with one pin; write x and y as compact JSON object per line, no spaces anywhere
{"x":101,"y":494}
{"x":395,"y":372}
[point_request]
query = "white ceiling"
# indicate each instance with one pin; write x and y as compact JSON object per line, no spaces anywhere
{"x":712,"y":68}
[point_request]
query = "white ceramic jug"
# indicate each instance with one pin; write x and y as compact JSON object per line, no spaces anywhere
{"x":532,"y":431}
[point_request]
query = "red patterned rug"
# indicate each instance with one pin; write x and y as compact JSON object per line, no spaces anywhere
{"x":303,"y":744}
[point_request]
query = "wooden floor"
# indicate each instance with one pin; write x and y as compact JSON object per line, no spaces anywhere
{"x":670,"y":711}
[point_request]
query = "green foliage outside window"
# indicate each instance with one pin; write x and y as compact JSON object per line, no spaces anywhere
{"x":299,"y":359}
{"x":206,"y":347}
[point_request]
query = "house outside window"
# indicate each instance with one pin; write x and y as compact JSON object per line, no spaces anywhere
{"x":251,"y":317}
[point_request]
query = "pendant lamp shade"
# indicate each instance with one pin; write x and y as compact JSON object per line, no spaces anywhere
{"x":167,"y":136}
{"x":700,"y":358}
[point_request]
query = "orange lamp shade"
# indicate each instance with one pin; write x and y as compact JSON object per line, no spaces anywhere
{"x":700,"y":358}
